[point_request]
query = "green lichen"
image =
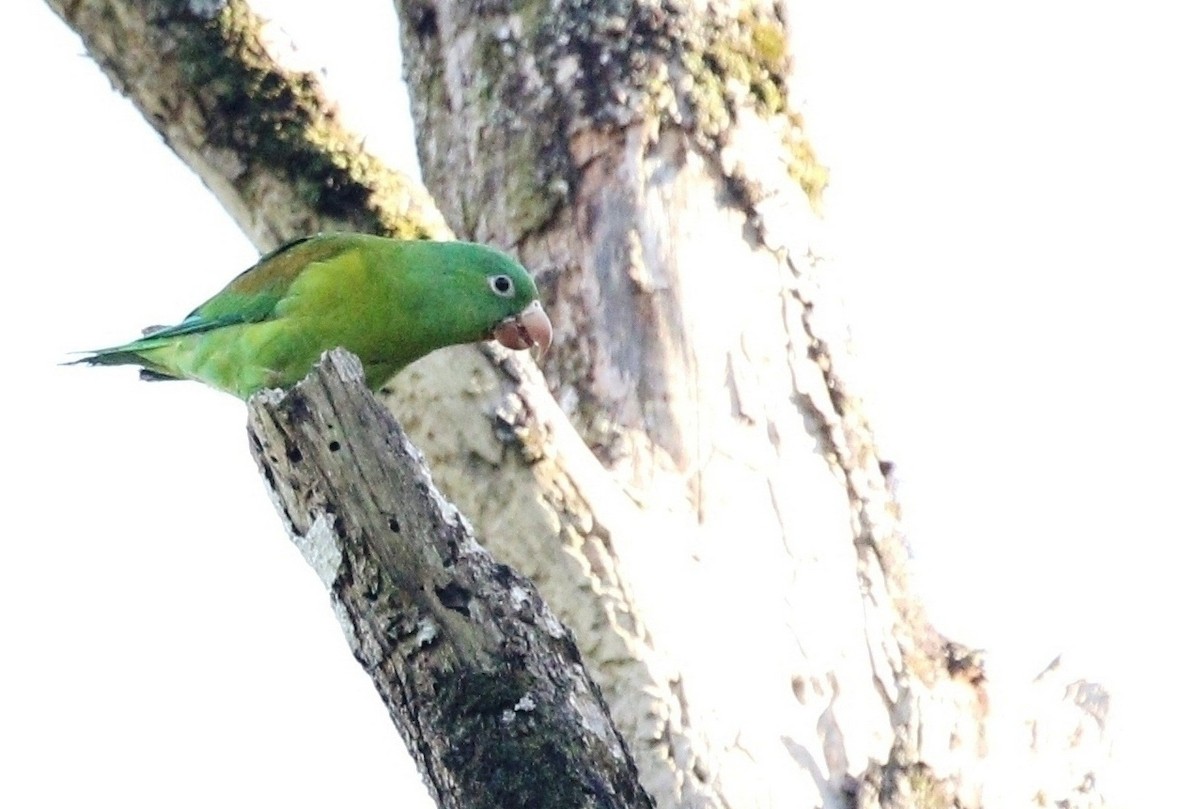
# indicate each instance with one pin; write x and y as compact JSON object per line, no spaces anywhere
{"x":532,"y":194}
{"x":527,"y":130}
{"x":279,"y":121}
{"x":803,"y":166}
{"x":746,"y":59}
{"x":523,"y":154}
{"x":769,"y":41}
{"x":542,"y":69}
{"x":926,"y":791}
{"x":701,"y":69}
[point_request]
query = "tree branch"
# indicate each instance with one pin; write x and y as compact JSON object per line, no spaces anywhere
{"x":485,"y":685}
{"x":263,"y":138}
{"x":180,"y":64}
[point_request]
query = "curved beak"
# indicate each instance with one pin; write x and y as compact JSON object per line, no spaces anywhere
{"x":528,"y":329}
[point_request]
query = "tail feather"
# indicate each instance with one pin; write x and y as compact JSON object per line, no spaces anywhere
{"x":147,"y":375}
{"x":127,"y":355}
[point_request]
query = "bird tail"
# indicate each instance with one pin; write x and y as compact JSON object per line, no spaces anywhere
{"x":131,"y":354}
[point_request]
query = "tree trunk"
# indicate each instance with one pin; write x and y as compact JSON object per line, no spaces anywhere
{"x":644,"y":160}
{"x":693,"y":485}
{"x":484,"y":684}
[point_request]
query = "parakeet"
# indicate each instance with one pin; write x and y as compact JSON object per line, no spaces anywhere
{"x":388,"y":301}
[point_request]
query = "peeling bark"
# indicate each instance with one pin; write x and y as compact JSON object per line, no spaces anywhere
{"x":484,"y":684}
{"x":645,"y":160}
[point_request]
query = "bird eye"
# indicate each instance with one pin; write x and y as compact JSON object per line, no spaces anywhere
{"x":502,"y":285}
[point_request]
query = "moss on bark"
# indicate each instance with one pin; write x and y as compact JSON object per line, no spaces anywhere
{"x":534,"y":73}
{"x":280,"y":121}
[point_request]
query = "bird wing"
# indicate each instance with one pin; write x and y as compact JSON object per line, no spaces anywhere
{"x":254,"y":295}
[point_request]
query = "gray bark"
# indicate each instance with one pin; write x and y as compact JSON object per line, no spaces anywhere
{"x":644,"y":159}
{"x":484,"y":684}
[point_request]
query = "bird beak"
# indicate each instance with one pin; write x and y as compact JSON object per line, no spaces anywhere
{"x":528,"y":329}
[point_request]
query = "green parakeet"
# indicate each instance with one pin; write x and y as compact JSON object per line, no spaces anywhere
{"x":388,"y":301}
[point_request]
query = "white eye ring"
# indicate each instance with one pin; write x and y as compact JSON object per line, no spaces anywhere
{"x":502,"y":285}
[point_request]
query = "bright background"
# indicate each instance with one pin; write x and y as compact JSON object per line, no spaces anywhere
{"x":1014,"y":212}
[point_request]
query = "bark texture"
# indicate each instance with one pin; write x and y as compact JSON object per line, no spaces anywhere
{"x":644,"y":158}
{"x":484,"y":684}
{"x":707,"y":509}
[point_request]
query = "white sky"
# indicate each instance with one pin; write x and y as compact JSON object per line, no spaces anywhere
{"x":1013,"y":209}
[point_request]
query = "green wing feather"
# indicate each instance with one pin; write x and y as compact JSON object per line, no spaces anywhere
{"x":254,"y":295}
